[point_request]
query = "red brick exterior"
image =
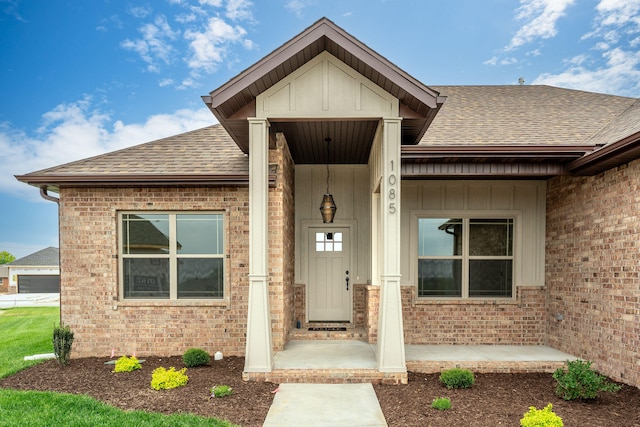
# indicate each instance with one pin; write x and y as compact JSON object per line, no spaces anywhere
{"x":469,"y":322}
{"x":372,"y":303}
{"x":102,"y":321}
{"x":90,"y":302}
{"x":282,"y":247}
{"x":593,"y":266}
{"x":592,"y":278}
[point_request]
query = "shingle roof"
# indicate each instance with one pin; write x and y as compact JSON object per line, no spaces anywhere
{"x":205,"y":151}
{"x":625,"y":124}
{"x":46,"y":257}
{"x":527,"y":114}
{"x":535,"y":116}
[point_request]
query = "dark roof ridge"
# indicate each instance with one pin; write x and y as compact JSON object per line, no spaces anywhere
{"x":507,"y":85}
{"x":615,"y":118}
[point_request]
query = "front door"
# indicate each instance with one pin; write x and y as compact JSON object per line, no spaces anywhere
{"x":329,"y":291}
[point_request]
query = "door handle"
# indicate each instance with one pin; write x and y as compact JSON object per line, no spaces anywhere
{"x":347,"y":280}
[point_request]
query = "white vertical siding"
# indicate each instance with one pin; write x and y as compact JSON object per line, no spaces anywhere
{"x":349,"y":185}
{"x":524,"y":199}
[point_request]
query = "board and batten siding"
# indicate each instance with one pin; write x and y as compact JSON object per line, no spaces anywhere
{"x":524,"y":200}
{"x":349,"y":185}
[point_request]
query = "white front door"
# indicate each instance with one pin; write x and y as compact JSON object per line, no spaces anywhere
{"x":329,"y":291}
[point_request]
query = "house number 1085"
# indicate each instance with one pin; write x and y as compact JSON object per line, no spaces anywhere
{"x":392,"y":191}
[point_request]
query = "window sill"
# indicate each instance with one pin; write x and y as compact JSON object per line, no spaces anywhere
{"x":467,"y":301}
{"x":171,"y":303}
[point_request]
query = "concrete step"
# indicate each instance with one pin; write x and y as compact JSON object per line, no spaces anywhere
{"x":351,"y":333}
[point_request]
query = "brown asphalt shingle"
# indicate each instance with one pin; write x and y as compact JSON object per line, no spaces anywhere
{"x":206,"y":151}
{"x":482,"y":115}
{"x":527,"y":114}
{"x":625,"y":124}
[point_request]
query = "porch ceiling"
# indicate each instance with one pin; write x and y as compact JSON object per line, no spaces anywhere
{"x":350,"y":140}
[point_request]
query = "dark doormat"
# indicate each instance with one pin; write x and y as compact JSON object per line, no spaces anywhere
{"x":329,"y":329}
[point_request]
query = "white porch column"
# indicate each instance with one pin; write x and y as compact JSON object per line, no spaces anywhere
{"x":391,"y":357}
{"x":259,"y":356}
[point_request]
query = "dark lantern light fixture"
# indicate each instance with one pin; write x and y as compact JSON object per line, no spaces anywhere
{"x":328,"y":206}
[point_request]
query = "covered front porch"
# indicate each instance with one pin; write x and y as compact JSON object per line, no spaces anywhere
{"x":354,"y":361}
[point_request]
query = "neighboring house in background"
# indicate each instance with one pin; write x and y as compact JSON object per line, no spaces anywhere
{"x":4,"y":279}
{"x":465,"y":215}
{"x":35,"y":273}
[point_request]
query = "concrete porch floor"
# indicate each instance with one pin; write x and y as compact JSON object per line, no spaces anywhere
{"x":355,"y":354}
{"x":327,"y":354}
{"x":353,"y":361}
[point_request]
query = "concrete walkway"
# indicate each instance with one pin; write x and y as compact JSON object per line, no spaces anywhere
{"x":330,"y":405}
{"x":29,"y":300}
{"x":356,"y":404}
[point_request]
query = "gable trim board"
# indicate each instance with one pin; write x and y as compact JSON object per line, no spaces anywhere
{"x":562,"y":165}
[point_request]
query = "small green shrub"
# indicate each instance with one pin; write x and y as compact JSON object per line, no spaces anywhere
{"x":127,"y":364}
{"x":62,"y":341}
{"x":441,"y":403}
{"x":457,"y":378}
{"x":221,"y":391}
{"x":166,"y":379}
{"x":541,"y":418}
{"x":195,"y":357}
{"x":581,"y":381}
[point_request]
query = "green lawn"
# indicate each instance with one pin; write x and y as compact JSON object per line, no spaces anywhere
{"x":25,"y":332}
{"x":37,"y":408}
{"x":28,"y":331}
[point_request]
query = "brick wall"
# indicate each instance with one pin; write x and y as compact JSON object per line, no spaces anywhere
{"x":372,"y":302}
{"x":281,"y":245}
{"x":89,"y":272}
{"x":469,"y":322}
{"x":90,"y":302}
{"x":593,"y":265}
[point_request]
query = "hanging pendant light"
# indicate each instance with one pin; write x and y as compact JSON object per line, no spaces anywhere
{"x":328,"y":206}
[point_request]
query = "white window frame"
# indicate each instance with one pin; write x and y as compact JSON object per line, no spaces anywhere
{"x":173,"y":255}
{"x":466,"y":216}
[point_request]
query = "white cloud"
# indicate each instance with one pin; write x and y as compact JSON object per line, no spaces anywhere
{"x":297,"y":6}
{"x":201,"y":37}
{"x":491,"y":61}
{"x":140,"y":11}
{"x":214,"y":3}
{"x":616,"y":69}
{"x":540,"y":18}
{"x":77,"y":130}
{"x":495,"y":60}
{"x":239,"y":10}
{"x":155,"y":44}
{"x":10,"y":8}
{"x":209,"y":47}
{"x":620,"y":75}
{"x":618,"y":12}
{"x":184,"y":18}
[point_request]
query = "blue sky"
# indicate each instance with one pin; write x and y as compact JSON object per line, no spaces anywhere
{"x":87,"y":77}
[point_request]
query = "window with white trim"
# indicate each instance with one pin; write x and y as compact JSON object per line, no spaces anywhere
{"x":465,"y":257}
{"x":172,"y":255}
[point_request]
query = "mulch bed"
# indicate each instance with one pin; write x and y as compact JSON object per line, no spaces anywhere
{"x":494,"y":400}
